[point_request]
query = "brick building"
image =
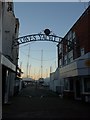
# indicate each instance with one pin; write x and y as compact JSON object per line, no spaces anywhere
{"x":74,"y":59}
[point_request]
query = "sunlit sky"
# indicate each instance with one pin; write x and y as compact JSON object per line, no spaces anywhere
{"x":35,"y":17}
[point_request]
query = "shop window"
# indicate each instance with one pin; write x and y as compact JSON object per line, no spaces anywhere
{"x":71,"y":84}
{"x":15,"y":28}
{"x":66,"y":84}
{"x":87,"y":84}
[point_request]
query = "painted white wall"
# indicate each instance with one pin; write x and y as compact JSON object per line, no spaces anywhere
{"x":6,"y":62}
{"x":56,"y":80}
{"x":47,"y":81}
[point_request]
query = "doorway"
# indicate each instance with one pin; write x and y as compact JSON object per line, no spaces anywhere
{"x":3,"y":82}
{"x":78,"y":89}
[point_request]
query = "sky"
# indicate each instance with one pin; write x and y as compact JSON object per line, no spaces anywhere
{"x":35,"y":17}
{"x":48,"y":0}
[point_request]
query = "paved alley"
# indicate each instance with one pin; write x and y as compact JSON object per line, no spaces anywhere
{"x":41,"y":103}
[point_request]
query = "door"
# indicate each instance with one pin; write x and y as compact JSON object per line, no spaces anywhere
{"x":3,"y":82}
{"x":78,"y":88}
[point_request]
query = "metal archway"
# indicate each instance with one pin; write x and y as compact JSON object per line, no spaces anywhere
{"x":46,"y":36}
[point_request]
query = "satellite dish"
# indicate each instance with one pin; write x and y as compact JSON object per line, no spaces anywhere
{"x":47,"y":31}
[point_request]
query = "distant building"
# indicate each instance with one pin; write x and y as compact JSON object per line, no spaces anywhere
{"x":9,"y":29}
{"x":47,"y":81}
{"x":74,"y":59}
{"x":56,"y":83}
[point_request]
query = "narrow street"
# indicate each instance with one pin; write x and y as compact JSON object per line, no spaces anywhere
{"x":39,"y":102}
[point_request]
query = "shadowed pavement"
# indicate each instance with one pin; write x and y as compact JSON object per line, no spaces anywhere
{"x":39,"y":103}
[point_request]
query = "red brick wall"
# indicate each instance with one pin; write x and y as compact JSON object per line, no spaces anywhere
{"x":82,"y":29}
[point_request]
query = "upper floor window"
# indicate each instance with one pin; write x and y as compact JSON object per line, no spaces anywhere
{"x":65,"y":59}
{"x":70,"y":56}
{"x":69,"y":45}
{"x":16,"y":28}
{"x":70,"y":36}
{"x":60,"y":48}
{"x":82,"y":51}
{"x":60,"y":62}
{"x":10,"y":6}
{"x":73,"y":35}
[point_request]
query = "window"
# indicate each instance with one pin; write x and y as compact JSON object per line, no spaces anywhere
{"x":65,"y":60}
{"x":87,"y":84}
{"x":60,"y":48}
{"x":66,"y":84}
{"x":73,"y":35}
{"x":60,"y":62}
{"x":82,"y":51}
{"x":71,"y":84}
{"x":70,"y":36}
{"x":15,"y":28}
{"x":10,"y":6}
{"x":70,"y":56}
{"x":66,"y":48}
{"x":70,"y":59}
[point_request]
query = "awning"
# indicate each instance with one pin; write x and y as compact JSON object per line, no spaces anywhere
{"x":78,"y":67}
{"x":6,"y":62}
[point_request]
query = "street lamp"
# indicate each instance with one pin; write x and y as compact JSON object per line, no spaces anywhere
{"x":47,"y":32}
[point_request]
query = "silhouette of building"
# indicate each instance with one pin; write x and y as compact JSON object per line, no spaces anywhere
{"x":74,"y":59}
{"x":9,"y":28}
{"x":72,"y":77}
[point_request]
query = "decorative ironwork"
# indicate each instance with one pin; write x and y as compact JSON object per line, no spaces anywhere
{"x":37,"y":37}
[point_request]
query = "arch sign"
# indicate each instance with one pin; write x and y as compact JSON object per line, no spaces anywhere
{"x":46,"y":36}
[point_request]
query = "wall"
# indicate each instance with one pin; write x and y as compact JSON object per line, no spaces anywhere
{"x":56,"y":81}
{"x":8,"y":31}
{"x":0,"y":60}
{"x":9,"y":55}
{"x":81,"y":29}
